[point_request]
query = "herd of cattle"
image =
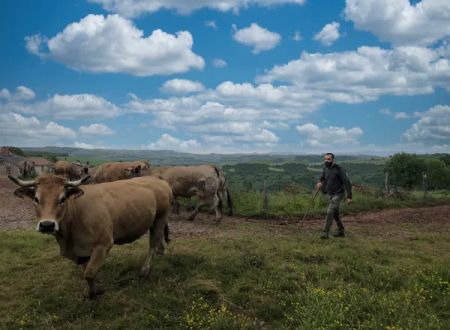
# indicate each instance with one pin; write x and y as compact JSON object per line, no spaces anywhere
{"x":90,"y":208}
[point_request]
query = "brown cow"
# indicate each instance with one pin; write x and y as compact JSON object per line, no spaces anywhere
{"x":204,"y":181}
{"x":114,"y":171}
{"x":87,"y":222}
{"x":26,"y":168}
{"x":70,"y":170}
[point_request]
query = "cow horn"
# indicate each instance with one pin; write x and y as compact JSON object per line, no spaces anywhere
{"x":77,"y":182}
{"x":22,"y":183}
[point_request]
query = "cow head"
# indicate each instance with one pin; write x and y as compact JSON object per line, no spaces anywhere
{"x":49,"y":194}
{"x":133,"y":171}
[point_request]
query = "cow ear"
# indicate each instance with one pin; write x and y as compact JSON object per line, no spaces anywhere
{"x":25,"y":192}
{"x":74,"y":192}
{"x":137,"y":170}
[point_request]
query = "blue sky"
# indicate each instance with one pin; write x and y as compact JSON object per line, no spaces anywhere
{"x":219,"y":76}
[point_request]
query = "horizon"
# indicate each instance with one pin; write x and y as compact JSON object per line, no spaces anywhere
{"x":246,"y":77}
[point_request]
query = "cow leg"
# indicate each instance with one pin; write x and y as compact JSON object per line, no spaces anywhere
{"x":156,"y":242}
{"x":176,"y":206}
{"x":194,"y":213}
{"x":215,"y":206}
{"x":95,"y":262}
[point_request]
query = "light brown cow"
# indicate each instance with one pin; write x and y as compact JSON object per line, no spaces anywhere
{"x":70,"y":170}
{"x":87,"y":222}
{"x":204,"y":181}
{"x":114,"y":171}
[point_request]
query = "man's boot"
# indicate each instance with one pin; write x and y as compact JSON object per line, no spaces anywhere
{"x":325,"y":235}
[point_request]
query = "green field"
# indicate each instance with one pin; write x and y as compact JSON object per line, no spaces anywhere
{"x":245,"y":276}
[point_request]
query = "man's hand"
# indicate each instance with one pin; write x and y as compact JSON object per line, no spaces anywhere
{"x":318,"y":185}
{"x":349,"y":200}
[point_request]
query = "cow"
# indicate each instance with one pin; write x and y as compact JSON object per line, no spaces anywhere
{"x":26,"y":168}
{"x":70,"y":170}
{"x":114,"y":171}
{"x":206,"y":182}
{"x":87,"y":221}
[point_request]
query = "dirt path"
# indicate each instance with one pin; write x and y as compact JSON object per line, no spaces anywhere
{"x":16,"y":213}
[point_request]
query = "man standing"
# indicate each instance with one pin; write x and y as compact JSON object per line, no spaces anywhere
{"x":334,"y":182}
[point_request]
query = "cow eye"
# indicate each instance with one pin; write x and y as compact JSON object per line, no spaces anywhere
{"x":62,"y":200}
{"x":36,"y":200}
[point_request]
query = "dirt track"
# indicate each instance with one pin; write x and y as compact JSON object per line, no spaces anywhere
{"x":16,"y":213}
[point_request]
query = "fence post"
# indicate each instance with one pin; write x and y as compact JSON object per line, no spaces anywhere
{"x":424,"y":185}
{"x":265,"y":199}
{"x":386,"y":183}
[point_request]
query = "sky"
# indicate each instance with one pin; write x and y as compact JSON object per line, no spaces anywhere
{"x":237,"y":76}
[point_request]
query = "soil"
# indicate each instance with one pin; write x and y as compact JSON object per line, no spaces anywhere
{"x":17,"y":213}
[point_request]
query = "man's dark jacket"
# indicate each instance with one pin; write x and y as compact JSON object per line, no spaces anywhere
{"x":335,"y":181}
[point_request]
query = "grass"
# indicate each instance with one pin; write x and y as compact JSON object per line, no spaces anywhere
{"x":283,"y":204}
{"x":250,"y":277}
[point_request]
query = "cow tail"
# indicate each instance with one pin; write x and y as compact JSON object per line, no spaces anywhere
{"x":166,"y":233}
{"x":229,"y":202}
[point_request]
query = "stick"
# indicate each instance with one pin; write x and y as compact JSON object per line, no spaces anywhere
{"x":307,"y":208}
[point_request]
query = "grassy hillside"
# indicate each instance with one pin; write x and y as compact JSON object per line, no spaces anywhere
{"x":251,"y":276}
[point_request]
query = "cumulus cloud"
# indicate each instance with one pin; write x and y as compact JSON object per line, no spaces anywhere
{"x":168,"y":142}
{"x":318,"y":137}
{"x":396,"y":115}
{"x":401,"y":22}
{"x":30,"y":131}
{"x":433,"y":127}
{"x":22,"y":93}
{"x":367,"y":73}
{"x":329,"y":34}
{"x":219,"y":63}
{"x":181,"y":86}
{"x":297,"y":36}
{"x":131,"y":8}
{"x":113,"y":44}
{"x":211,"y":24}
{"x":96,"y":129}
{"x":84,"y":145}
{"x":257,"y":37}
{"x":75,"y":106}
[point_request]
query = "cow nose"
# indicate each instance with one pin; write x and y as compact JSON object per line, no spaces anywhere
{"x":47,"y":226}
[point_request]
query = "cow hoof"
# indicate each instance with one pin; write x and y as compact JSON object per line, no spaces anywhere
{"x":94,"y":295}
{"x":145,"y":272}
{"x":190,"y":218}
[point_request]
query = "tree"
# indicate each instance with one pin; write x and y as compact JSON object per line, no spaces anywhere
{"x":405,"y":170}
{"x":446,"y":159}
{"x":438,"y":174}
{"x":17,"y":151}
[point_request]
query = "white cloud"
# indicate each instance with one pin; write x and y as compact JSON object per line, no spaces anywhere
{"x":131,"y":8}
{"x":168,"y":142}
{"x":257,"y":37}
{"x":401,"y":22}
{"x":113,"y":44}
{"x":401,"y":115}
{"x":76,"y":106}
{"x":84,"y":145}
{"x":22,"y":93}
{"x":433,"y":127}
{"x":96,"y":129}
{"x":30,"y":131}
{"x":319,"y":137}
{"x":396,"y":115}
{"x":181,"y":86}
{"x":212,"y":24}
{"x":365,"y":74}
{"x":219,"y":63}
{"x":329,"y":34}
{"x":297,"y":36}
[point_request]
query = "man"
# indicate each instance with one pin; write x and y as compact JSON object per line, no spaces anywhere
{"x":334,"y":182}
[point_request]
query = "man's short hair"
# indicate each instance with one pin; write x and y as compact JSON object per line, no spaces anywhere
{"x":330,"y":154}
